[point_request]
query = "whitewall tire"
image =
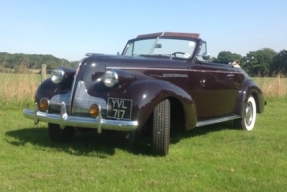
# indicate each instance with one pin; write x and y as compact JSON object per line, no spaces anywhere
{"x":248,"y":122}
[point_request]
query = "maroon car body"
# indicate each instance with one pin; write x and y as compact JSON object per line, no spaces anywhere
{"x":159,"y":79}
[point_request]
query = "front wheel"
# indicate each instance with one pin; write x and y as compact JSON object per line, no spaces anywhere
{"x":248,"y":122}
{"x":161,"y":128}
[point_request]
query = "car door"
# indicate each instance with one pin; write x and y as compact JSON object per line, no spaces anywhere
{"x":213,"y":90}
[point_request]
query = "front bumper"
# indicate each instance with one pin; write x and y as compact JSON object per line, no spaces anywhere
{"x":63,"y":119}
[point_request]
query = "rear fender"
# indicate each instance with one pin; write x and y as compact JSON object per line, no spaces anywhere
{"x":249,"y":88}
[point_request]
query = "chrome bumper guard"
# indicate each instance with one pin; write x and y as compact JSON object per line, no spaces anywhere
{"x":63,"y":119}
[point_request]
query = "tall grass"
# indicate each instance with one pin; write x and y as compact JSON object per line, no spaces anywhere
{"x":275,"y":87}
{"x":17,"y":90}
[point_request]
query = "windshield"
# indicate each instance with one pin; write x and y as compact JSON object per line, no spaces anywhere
{"x":167,"y":47}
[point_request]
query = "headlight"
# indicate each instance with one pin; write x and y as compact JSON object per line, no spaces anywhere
{"x":57,"y":75}
{"x":110,"y":78}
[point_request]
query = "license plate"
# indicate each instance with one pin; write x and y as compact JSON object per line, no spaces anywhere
{"x":119,"y":108}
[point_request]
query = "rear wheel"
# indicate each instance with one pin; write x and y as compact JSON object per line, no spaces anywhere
{"x":248,"y":122}
{"x":161,"y":128}
{"x":59,"y":135}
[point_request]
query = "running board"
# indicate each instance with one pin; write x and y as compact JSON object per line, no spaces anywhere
{"x":217,"y":120}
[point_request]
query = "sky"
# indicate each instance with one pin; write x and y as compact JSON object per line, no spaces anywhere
{"x":69,"y":29}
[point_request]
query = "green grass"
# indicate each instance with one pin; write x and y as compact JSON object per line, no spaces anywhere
{"x":211,"y":158}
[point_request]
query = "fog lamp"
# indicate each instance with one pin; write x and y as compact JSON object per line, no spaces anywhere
{"x":44,"y":104}
{"x":94,"y":110}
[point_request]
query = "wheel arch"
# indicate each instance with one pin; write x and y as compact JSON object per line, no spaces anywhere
{"x":146,"y":94}
{"x":46,"y":89}
{"x":258,"y":97}
{"x":250,"y":89}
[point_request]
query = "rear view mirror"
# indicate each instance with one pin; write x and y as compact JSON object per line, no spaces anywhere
{"x":206,"y":56}
{"x":157,"y":45}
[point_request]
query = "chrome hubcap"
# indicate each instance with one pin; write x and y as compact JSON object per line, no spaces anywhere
{"x":249,"y":114}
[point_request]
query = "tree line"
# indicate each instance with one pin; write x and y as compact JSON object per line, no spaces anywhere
{"x":32,"y":61}
{"x":263,"y":62}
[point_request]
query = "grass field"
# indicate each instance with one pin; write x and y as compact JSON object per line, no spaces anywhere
{"x":211,"y":158}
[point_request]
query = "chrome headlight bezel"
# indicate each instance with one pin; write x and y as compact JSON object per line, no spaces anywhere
{"x":57,"y":75}
{"x":110,"y":78}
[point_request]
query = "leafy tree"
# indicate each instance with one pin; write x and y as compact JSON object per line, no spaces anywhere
{"x":212,"y":59}
{"x":279,"y":64}
{"x":258,"y":62}
{"x":227,"y":57}
{"x":31,"y":61}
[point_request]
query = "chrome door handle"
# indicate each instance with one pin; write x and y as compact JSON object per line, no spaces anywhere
{"x":230,"y":76}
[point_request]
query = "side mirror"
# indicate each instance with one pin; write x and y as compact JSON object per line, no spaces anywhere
{"x":206,"y":56}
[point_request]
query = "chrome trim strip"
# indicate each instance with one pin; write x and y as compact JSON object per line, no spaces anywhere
{"x":63,"y":119}
{"x":153,"y":46}
{"x":73,"y":87}
{"x":100,"y":120}
{"x":217,"y":120}
{"x":174,"y":69}
{"x":175,"y":75}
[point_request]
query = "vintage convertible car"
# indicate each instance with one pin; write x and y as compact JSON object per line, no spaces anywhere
{"x":160,"y":79}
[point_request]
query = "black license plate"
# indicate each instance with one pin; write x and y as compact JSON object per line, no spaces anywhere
{"x":119,"y":108}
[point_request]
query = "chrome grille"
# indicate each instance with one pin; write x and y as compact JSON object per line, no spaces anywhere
{"x":55,"y":101}
{"x":83,"y":101}
{"x":81,"y":104}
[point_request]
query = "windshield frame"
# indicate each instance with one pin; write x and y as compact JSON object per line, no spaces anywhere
{"x":151,"y":53}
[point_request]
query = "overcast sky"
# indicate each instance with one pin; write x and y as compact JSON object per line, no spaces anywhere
{"x":69,"y":29}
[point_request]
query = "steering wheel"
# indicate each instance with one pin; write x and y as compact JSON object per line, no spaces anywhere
{"x":175,"y":53}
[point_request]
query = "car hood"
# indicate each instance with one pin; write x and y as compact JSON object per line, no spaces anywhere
{"x":119,"y":61}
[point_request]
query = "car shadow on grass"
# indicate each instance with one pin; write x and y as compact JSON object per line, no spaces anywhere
{"x":84,"y":144}
{"x":101,"y":145}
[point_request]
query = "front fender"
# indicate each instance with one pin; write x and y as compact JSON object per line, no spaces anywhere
{"x":146,"y":94}
{"x":48,"y":89}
